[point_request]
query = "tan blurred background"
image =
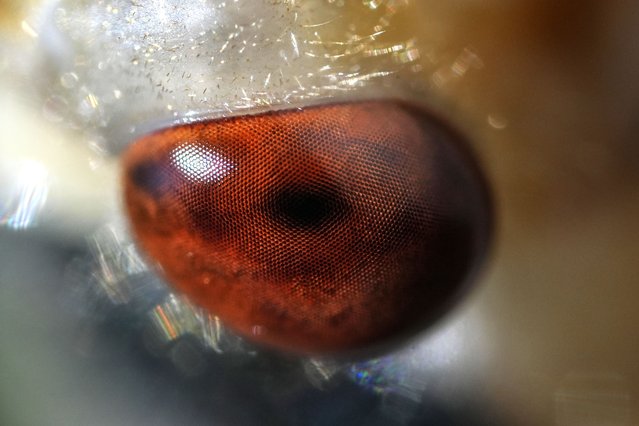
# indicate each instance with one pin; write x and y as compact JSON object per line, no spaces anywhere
{"x":561,"y":294}
{"x":547,"y":90}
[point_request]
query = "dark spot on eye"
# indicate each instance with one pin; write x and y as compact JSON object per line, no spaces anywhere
{"x":307,"y":207}
{"x":378,"y":155}
{"x":151,"y":177}
{"x":273,"y":311}
{"x":207,"y":222}
{"x":404,"y":227}
{"x":338,"y":319}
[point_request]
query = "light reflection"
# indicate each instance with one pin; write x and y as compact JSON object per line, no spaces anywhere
{"x":443,"y":354}
{"x":116,"y":259}
{"x":380,"y":375}
{"x":201,"y":164}
{"x":21,"y":203}
{"x":28,"y":29}
{"x":467,"y":59}
{"x":176,"y":317}
{"x":497,"y":122}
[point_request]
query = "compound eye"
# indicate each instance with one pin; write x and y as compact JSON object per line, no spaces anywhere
{"x":327,"y":229}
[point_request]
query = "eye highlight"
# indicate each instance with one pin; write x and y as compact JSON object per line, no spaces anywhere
{"x":322,"y":229}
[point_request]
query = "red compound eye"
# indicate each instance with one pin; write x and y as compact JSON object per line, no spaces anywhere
{"x":328,"y":228}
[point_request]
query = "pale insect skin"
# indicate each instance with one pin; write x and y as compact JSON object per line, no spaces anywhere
{"x":545,"y":93}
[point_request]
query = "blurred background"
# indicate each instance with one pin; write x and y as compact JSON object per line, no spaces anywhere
{"x":546,"y":93}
